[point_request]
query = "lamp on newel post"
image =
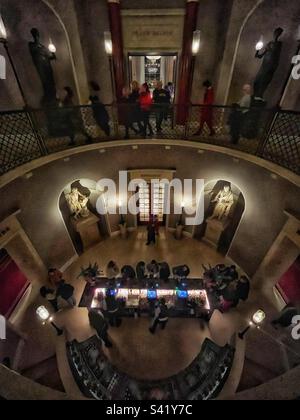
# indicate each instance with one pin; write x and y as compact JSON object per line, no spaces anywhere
{"x":44,"y":316}
{"x":257,"y":319}
{"x":3,"y":40}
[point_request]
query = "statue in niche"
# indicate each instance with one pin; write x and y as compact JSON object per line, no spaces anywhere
{"x":271,"y":58}
{"x":42,"y":58}
{"x":225,"y":201}
{"x":78,"y":203}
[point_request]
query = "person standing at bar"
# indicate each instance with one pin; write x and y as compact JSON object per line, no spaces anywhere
{"x":161,"y":316}
{"x":207,"y":109}
{"x":99,"y":323}
{"x":112,"y":309}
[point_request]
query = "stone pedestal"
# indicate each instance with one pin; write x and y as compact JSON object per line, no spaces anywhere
{"x":123,"y":230}
{"x":88,"y":230}
{"x":179,"y":232}
{"x":214,"y":230}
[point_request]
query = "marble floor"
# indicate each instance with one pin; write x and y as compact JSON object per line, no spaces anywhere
{"x":136,"y":352}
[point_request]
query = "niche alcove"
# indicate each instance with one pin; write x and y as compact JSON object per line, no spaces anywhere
{"x":88,"y":230}
{"x":224,"y":205}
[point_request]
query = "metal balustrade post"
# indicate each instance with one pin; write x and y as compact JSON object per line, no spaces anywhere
{"x":267,"y":133}
{"x":40,"y":140}
{"x":187,"y":122}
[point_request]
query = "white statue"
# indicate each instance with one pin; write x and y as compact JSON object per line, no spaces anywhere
{"x":78,"y":204}
{"x":225,"y":201}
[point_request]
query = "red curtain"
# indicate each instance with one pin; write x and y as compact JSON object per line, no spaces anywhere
{"x":13,"y":284}
{"x":289,"y":284}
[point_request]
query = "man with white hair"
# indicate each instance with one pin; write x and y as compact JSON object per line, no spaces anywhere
{"x":245,"y":102}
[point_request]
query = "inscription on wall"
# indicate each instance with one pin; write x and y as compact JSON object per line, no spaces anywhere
{"x":161,"y":32}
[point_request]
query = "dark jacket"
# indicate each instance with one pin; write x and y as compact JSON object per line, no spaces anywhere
{"x":99,"y":111}
{"x":64,"y":290}
{"x":243,"y":290}
{"x":98,"y":322}
{"x":161,"y":96}
{"x":163,"y":312}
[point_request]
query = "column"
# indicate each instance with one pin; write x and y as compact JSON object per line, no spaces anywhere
{"x":186,"y":64}
{"x":25,"y":256}
{"x":114,"y":11}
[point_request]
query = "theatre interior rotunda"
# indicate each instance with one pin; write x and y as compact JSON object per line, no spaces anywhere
{"x":150,"y":201}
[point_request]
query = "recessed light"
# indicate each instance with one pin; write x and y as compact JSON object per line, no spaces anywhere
{"x":135,"y":147}
{"x":67,"y":159}
{"x":102,"y":151}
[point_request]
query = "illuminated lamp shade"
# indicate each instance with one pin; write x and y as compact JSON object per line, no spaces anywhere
{"x":52,"y":47}
{"x":3,"y":33}
{"x":108,"y":43}
{"x":43,"y":313}
{"x":196,"y":42}
{"x":259,"y":317}
{"x":260,"y":44}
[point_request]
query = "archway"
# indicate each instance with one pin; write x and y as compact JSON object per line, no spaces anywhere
{"x":245,"y":67}
{"x":18,"y":25}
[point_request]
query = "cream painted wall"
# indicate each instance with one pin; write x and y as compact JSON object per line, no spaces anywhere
{"x":266,"y":197}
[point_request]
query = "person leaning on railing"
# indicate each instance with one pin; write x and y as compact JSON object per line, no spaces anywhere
{"x":162,"y":100}
{"x":100,"y":113}
{"x":126,"y":115}
{"x":72,"y":118}
{"x":207,"y":109}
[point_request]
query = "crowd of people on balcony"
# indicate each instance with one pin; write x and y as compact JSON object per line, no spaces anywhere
{"x":140,"y":104}
{"x":137,"y":104}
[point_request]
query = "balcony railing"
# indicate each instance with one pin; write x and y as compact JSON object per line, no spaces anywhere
{"x":270,"y":134}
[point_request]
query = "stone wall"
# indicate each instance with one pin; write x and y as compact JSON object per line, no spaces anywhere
{"x":267,"y":17}
{"x":93,"y":22}
{"x":18,"y":21}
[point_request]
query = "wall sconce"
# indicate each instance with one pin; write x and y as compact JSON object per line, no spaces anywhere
{"x":44,"y":316}
{"x":108,"y":43}
{"x":257,"y":319}
{"x":3,"y":33}
{"x":196,"y":42}
{"x":260,"y":44}
{"x":52,"y":47}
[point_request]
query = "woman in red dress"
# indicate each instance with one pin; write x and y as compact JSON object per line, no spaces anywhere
{"x":207,"y":109}
{"x":146,"y":102}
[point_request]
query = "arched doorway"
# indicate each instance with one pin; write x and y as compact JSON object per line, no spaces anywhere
{"x":224,"y":205}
